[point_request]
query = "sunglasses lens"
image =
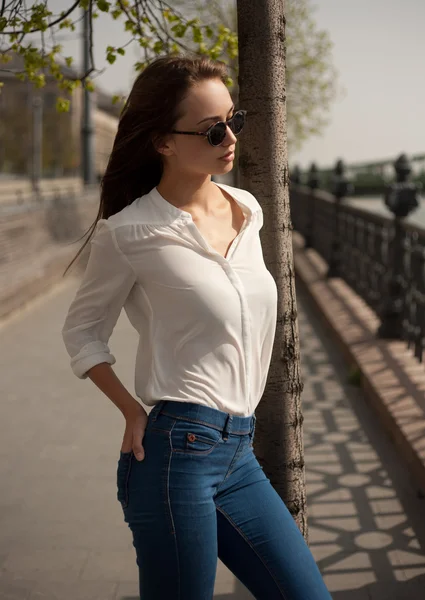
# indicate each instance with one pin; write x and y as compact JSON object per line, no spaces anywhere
{"x":237,"y":122}
{"x":217,"y":134}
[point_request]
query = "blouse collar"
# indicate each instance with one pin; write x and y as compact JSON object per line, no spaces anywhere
{"x":177,"y":213}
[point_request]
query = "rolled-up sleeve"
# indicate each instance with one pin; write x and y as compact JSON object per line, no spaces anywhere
{"x":91,"y":318}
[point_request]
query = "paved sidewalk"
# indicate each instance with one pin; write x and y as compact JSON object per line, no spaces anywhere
{"x":62,"y":534}
{"x":366,"y":524}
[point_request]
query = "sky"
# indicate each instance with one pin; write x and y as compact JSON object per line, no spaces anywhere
{"x":379,"y":53}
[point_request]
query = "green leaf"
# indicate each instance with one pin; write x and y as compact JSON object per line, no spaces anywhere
{"x":121,"y":51}
{"x":179,"y":30}
{"x":140,"y":66}
{"x":62,"y":104}
{"x":197,"y":35}
{"x":158,"y":47}
{"x":354,"y":376}
{"x":66,"y":24}
{"x":103,"y":5}
{"x":39,"y":80}
{"x":117,"y":98}
{"x":111,"y":58}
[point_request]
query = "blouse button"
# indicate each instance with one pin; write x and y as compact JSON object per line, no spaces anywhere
{"x":191,"y":437}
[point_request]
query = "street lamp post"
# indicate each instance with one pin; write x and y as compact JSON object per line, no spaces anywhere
{"x":87,"y":120}
{"x":37,"y":143}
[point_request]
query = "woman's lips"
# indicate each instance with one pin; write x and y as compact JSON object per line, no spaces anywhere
{"x":228,"y":157}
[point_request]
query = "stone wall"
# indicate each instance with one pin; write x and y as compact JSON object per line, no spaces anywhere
{"x":37,"y":242}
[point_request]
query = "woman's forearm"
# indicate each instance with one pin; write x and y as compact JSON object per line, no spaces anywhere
{"x":104,"y":377}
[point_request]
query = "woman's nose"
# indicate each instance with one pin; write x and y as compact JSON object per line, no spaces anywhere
{"x":230,"y":137}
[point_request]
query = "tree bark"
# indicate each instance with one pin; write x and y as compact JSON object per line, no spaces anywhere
{"x":263,"y":167}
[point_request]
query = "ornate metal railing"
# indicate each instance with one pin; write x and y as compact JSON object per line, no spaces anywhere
{"x":381,"y":258}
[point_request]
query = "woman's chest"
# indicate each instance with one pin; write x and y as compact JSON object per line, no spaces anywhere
{"x":179,"y":278}
{"x":219,"y":232}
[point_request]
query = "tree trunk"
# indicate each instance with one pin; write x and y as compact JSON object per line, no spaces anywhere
{"x":264,"y":172}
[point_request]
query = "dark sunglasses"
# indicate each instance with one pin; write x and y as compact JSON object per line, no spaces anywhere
{"x":217,"y":132}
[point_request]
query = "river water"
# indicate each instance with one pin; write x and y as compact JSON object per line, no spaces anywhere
{"x":377,"y":206}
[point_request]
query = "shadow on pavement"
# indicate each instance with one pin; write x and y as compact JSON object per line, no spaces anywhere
{"x":395,"y":590}
{"x":366,"y":524}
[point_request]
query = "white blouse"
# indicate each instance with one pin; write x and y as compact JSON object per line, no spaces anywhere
{"x":206,"y":323}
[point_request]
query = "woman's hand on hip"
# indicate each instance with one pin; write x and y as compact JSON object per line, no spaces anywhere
{"x":135,"y":426}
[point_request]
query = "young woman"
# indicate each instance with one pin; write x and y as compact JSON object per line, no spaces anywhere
{"x":182,"y":255}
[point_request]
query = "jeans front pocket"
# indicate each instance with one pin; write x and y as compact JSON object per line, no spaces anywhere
{"x":123,"y":474}
{"x":188,"y":437}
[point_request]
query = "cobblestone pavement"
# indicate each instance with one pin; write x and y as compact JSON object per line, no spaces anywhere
{"x":62,"y":535}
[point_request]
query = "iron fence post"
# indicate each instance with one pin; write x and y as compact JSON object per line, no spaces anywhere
{"x":401,"y":199}
{"x":340,"y":188}
{"x":313,"y":183}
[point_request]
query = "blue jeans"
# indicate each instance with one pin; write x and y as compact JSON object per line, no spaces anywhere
{"x":200,"y":494}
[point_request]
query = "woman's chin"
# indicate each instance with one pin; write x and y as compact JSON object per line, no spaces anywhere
{"x":225,"y":168}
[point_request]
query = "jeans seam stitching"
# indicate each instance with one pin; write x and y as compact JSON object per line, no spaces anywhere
{"x":127,"y":476}
{"x":173,"y":532}
{"x":226,"y":516}
{"x":195,"y":452}
{"x":233,"y":462}
{"x":166,"y":431}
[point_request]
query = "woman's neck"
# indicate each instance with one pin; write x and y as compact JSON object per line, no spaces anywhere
{"x":189,"y":193}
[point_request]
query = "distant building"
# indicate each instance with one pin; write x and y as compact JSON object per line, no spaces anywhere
{"x":61,"y":147}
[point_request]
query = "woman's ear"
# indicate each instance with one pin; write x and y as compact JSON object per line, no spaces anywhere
{"x":163,"y":146}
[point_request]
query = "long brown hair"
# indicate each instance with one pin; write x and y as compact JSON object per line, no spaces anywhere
{"x":150,"y":112}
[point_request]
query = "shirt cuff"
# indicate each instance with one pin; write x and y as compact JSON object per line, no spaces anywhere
{"x":91,"y":355}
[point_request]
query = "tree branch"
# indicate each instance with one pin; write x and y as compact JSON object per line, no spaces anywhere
{"x":52,"y":24}
{"x":159,"y":24}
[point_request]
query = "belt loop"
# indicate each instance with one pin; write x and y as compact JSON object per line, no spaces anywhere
{"x":227,"y":426}
{"x":254,"y":421}
{"x":156,"y":411}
